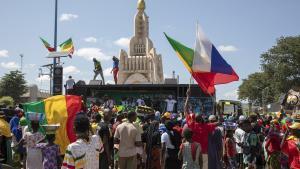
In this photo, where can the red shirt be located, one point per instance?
(178, 129)
(230, 147)
(273, 143)
(200, 132)
(290, 149)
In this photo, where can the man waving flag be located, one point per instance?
(205, 63)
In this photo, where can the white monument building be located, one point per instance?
(142, 65)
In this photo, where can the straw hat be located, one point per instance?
(167, 115)
(295, 126)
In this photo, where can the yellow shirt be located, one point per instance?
(4, 128)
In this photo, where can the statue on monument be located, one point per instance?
(98, 70)
(115, 68)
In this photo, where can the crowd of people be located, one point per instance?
(109, 138)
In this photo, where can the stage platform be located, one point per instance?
(156, 93)
(177, 90)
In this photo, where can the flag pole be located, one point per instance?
(190, 81)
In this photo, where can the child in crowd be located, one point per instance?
(230, 150)
(250, 146)
(190, 152)
(50, 151)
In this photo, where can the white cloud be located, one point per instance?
(32, 65)
(68, 17)
(107, 71)
(3, 53)
(123, 42)
(90, 53)
(9, 65)
(231, 95)
(71, 70)
(91, 39)
(43, 78)
(227, 48)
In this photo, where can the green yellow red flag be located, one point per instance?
(58, 110)
(67, 46)
(47, 45)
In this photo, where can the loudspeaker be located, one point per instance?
(95, 82)
(57, 80)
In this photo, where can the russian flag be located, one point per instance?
(205, 63)
(209, 67)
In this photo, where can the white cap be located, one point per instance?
(212, 118)
(242, 118)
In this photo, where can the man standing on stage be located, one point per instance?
(115, 69)
(98, 70)
(70, 85)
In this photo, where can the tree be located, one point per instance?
(282, 64)
(280, 73)
(256, 89)
(7, 101)
(13, 84)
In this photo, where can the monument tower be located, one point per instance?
(143, 65)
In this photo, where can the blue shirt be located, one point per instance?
(116, 64)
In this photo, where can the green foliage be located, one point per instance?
(13, 84)
(280, 72)
(256, 89)
(282, 64)
(7, 101)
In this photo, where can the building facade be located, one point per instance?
(141, 65)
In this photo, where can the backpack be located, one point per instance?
(251, 144)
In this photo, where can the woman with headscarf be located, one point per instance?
(153, 146)
(30, 139)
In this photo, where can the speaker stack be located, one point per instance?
(57, 80)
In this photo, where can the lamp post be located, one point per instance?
(55, 31)
(55, 49)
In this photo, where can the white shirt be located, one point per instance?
(70, 83)
(239, 137)
(170, 104)
(166, 139)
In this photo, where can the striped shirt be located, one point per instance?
(82, 154)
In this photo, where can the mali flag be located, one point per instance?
(59, 109)
(47, 45)
(67, 46)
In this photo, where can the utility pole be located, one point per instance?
(52, 76)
